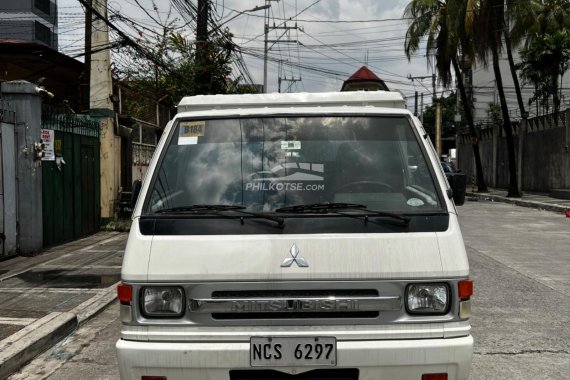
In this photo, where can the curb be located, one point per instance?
(20, 348)
(94, 305)
(520, 202)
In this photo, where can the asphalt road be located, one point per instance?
(520, 262)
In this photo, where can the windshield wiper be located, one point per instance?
(198, 208)
(333, 207)
(319, 207)
(218, 209)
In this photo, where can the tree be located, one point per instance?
(217, 60)
(488, 22)
(167, 63)
(175, 78)
(545, 55)
(448, 112)
(441, 22)
(519, 14)
(544, 61)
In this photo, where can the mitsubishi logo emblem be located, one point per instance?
(295, 258)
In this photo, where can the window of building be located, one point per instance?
(43, 5)
(42, 33)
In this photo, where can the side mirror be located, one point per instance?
(458, 183)
(136, 191)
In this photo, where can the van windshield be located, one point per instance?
(263, 164)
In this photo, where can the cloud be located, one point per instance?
(329, 9)
(327, 47)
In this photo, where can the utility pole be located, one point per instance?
(438, 127)
(265, 49)
(422, 108)
(416, 105)
(87, 58)
(437, 119)
(437, 111)
(290, 80)
(203, 76)
(266, 41)
(101, 108)
(285, 79)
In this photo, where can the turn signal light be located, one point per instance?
(125, 293)
(465, 289)
(434, 376)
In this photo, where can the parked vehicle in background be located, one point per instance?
(457, 181)
(448, 167)
(286, 234)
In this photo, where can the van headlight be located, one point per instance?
(427, 298)
(162, 301)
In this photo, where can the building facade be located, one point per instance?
(29, 20)
(484, 90)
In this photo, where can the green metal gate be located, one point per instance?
(71, 193)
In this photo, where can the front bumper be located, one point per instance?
(375, 359)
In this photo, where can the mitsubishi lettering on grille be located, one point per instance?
(294, 305)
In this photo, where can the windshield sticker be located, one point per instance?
(415, 202)
(287, 145)
(288, 176)
(190, 131)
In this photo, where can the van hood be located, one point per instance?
(296, 257)
(263, 258)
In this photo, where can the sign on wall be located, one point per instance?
(48, 141)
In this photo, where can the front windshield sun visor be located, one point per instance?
(289, 164)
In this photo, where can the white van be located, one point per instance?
(295, 236)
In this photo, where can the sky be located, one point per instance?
(333, 39)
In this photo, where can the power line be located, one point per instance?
(127, 39)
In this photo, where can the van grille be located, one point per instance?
(295, 293)
(295, 304)
(295, 315)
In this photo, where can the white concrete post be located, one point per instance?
(102, 108)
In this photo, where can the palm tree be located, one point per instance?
(519, 15)
(489, 22)
(436, 20)
(544, 25)
(544, 61)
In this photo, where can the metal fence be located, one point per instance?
(82, 125)
(71, 183)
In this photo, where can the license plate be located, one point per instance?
(292, 351)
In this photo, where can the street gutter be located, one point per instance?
(558, 208)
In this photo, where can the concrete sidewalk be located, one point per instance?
(538, 201)
(45, 298)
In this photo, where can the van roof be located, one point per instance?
(390, 99)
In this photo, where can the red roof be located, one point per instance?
(363, 74)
